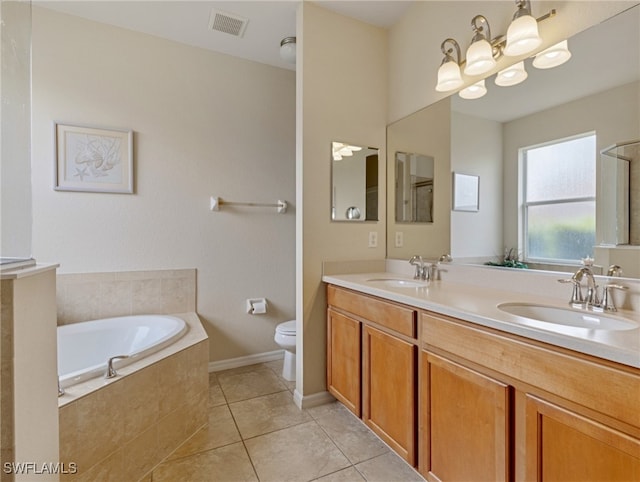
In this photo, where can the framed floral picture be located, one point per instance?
(93, 159)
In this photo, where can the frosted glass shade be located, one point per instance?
(512, 75)
(522, 36)
(474, 91)
(449, 77)
(479, 58)
(555, 55)
(288, 49)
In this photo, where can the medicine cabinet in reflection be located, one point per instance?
(354, 182)
(414, 188)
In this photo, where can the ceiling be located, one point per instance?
(187, 21)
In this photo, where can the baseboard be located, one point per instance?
(313, 400)
(216, 366)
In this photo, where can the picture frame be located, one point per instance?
(93, 159)
(466, 192)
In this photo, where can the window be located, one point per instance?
(560, 200)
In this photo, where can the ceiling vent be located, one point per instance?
(227, 23)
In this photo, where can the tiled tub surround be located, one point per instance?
(472, 293)
(90, 296)
(120, 429)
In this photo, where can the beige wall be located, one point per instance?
(414, 42)
(342, 86)
(427, 132)
(204, 124)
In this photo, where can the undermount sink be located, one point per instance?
(567, 317)
(400, 283)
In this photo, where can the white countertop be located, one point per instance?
(478, 304)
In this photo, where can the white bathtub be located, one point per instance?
(84, 348)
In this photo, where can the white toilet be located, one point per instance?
(286, 338)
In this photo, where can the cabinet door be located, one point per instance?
(563, 445)
(389, 386)
(465, 423)
(344, 359)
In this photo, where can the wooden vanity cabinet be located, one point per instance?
(466, 423)
(499, 407)
(344, 366)
(389, 388)
(372, 364)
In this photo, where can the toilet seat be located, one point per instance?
(287, 328)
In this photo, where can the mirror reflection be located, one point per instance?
(485, 138)
(414, 188)
(354, 182)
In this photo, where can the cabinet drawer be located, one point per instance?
(395, 317)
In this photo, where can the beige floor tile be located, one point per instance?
(350, 474)
(249, 384)
(216, 396)
(276, 366)
(352, 436)
(230, 463)
(387, 468)
(261, 415)
(299, 453)
(221, 430)
(326, 409)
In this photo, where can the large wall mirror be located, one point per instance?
(598, 90)
(354, 182)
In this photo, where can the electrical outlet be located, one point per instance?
(399, 239)
(373, 239)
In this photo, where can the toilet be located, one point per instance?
(286, 338)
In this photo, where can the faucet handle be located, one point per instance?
(614, 270)
(576, 293)
(607, 299)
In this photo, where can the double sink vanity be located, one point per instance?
(488, 374)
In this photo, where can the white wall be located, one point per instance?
(476, 149)
(204, 124)
(347, 104)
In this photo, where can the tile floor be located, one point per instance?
(256, 432)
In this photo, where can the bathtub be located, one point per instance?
(84, 348)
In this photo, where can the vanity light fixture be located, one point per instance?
(512, 75)
(555, 55)
(474, 91)
(483, 54)
(288, 49)
(522, 34)
(449, 77)
(480, 54)
(340, 150)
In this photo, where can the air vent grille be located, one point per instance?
(227, 23)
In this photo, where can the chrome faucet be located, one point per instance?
(422, 269)
(111, 371)
(60, 389)
(435, 267)
(592, 301)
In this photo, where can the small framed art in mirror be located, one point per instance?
(466, 192)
